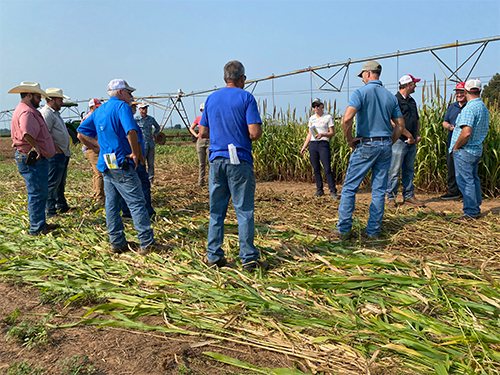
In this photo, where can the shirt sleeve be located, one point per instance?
(157, 127)
(27, 123)
(330, 122)
(49, 119)
(127, 118)
(396, 113)
(252, 114)
(88, 127)
(204, 117)
(355, 100)
(447, 115)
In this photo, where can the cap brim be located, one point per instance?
(360, 75)
(416, 80)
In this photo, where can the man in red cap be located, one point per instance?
(404, 150)
(449, 124)
(92, 157)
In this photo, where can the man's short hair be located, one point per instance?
(233, 71)
(113, 92)
(25, 94)
(403, 86)
(377, 72)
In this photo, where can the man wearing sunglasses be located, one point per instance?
(374, 107)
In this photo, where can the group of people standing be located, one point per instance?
(387, 132)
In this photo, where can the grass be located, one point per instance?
(29, 333)
(424, 298)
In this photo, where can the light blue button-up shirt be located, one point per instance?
(476, 115)
(146, 125)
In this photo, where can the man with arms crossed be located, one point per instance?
(450, 119)
(29, 133)
(467, 146)
(58, 164)
(119, 147)
(231, 120)
(374, 107)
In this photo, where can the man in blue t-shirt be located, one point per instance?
(374, 107)
(112, 132)
(232, 122)
(449, 123)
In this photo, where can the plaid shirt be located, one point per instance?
(476, 115)
(146, 125)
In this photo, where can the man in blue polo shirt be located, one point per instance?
(232, 121)
(467, 146)
(374, 107)
(120, 152)
(449, 122)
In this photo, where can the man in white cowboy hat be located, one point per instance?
(58, 164)
(146, 123)
(119, 143)
(30, 135)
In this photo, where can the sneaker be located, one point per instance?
(334, 196)
(252, 266)
(450, 197)
(319, 193)
(412, 201)
(156, 247)
(222, 262)
(391, 203)
(336, 235)
(127, 247)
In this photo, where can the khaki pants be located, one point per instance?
(202, 149)
(97, 181)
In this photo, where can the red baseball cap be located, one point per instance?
(460, 86)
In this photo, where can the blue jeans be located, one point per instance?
(320, 150)
(468, 181)
(124, 183)
(146, 189)
(236, 181)
(403, 159)
(374, 155)
(58, 170)
(36, 178)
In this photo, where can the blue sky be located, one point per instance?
(161, 46)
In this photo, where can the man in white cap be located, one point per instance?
(92, 157)
(404, 150)
(202, 145)
(30, 135)
(146, 123)
(58, 164)
(120, 152)
(374, 107)
(467, 146)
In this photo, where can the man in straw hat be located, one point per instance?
(374, 107)
(58, 164)
(30, 135)
(467, 146)
(120, 152)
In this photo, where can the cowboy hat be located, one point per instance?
(56, 93)
(28, 86)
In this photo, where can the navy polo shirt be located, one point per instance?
(409, 110)
(451, 117)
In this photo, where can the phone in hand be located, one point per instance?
(31, 159)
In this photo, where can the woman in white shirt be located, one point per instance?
(320, 131)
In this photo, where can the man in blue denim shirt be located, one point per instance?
(120, 152)
(146, 123)
(374, 107)
(232, 122)
(467, 146)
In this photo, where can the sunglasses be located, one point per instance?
(315, 105)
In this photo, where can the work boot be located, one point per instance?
(319, 193)
(412, 201)
(450, 197)
(156, 247)
(334, 196)
(252, 266)
(222, 262)
(391, 203)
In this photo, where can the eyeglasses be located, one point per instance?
(315, 105)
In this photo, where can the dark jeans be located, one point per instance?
(58, 170)
(320, 150)
(452, 181)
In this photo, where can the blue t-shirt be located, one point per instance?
(451, 117)
(227, 114)
(376, 107)
(110, 123)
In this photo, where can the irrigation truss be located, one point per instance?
(170, 103)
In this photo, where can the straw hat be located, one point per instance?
(56, 93)
(28, 86)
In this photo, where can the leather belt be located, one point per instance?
(375, 139)
(24, 153)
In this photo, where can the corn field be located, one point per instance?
(277, 153)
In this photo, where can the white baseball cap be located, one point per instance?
(118, 84)
(473, 85)
(407, 78)
(202, 106)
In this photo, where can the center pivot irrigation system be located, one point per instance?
(173, 102)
